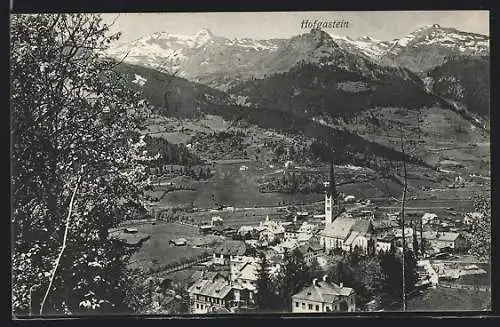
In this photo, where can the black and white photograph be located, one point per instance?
(223, 163)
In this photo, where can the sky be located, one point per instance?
(382, 25)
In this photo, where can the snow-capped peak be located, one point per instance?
(203, 33)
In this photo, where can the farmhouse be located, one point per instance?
(225, 251)
(323, 296)
(178, 242)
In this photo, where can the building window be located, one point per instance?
(303, 305)
(317, 307)
(197, 306)
(310, 306)
(296, 304)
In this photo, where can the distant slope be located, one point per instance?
(465, 80)
(173, 96)
(191, 98)
(313, 90)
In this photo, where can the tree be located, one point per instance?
(185, 301)
(264, 297)
(480, 240)
(294, 275)
(76, 170)
(392, 265)
(315, 270)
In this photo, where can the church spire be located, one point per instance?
(332, 190)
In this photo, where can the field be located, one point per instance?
(231, 186)
(443, 135)
(157, 251)
(449, 299)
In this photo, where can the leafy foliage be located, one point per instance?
(392, 268)
(480, 240)
(265, 296)
(70, 113)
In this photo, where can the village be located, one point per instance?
(223, 277)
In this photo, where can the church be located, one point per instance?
(342, 231)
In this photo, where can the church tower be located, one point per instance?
(330, 196)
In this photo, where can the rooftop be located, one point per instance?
(231, 248)
(323, 291)
(339, 228)
(443, 236)
(363, 226)
(216, 289)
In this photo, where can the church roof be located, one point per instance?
(363, 226)
(339, 228)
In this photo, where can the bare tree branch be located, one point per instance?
(68, 218)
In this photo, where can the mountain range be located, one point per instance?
(316, 84)
(349, 74)
(207, 58)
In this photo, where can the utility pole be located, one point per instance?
(405, 187)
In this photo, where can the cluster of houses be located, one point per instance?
(231, 284)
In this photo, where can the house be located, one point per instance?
(311, 250)
(290, 244)
(246, 231)
(181, 279)
(398, 234)
(306, 228)
(178, 242)
(441, 240)
(303, 238)
(225, 251)
(217, 221)
(210, 293)
(130, 230)
(428, 218)
(335, 234)
(275, 264)
(225, 231)
(323, 296)
(349, 198)
(205, 229)
(246, 276)
(384, 243)
(291, 231)
(302, 215)
(270, 231)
